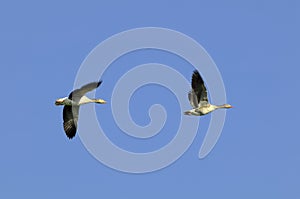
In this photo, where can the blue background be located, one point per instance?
(255, 44)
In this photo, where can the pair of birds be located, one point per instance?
(197, 97)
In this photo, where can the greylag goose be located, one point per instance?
(71, 106)
(198, 98)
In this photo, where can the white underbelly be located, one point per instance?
(206, 110)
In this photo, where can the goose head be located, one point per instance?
(60, 101)
(100, 101)
(227, 106)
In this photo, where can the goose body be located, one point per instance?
(71, 106)
(198, 98)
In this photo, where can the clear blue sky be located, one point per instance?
(256, 46)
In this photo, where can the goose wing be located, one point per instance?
(193, 99)
(198, 94)
(78, 93)
(70, 116)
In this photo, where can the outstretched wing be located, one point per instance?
(78, 93)
(70, 116)
(198, 89)
(193, 99)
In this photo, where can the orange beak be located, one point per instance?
(57, 102)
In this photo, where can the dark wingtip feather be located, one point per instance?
(196, 75)
(99, 83)
(196, 80)
(196, 72)
(198, 86)
(70, 128)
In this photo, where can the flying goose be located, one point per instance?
(198, 98)
(71, 106)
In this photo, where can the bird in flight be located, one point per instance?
(198, 98)
(71, 106)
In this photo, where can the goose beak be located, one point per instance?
(58, 102)
(227, 106)
(101, 101)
